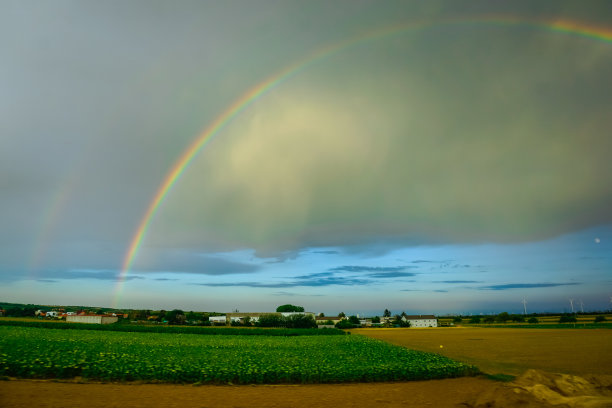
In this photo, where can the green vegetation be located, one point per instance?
(567, 319)
(289, 308)
(533, 320)
(172, 329)
(30, 352)
(599, 319)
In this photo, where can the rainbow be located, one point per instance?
(575, 28)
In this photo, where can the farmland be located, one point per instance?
(29, 352)
(511, 350)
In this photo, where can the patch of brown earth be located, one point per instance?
(450, 393)
(537, 388)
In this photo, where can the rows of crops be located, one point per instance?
(28, 352)
(227, 331)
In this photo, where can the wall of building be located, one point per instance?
(92, 319)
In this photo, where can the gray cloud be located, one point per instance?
(329, 281)
(388, 275)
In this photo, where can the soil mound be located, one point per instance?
(537, 388)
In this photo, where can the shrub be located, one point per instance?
(533, 320)
(344, 324)
(599, 319)
(567, 319)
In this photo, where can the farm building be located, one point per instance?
(421, 320)
(217, 319)
(93, 319)
(333, 319)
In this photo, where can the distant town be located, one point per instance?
(289, 316)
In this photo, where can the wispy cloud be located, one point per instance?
(103, 274)
(324, 281)
(457, 281)
(387, 275)
(353, 268)
(527, 286)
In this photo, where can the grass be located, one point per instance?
(30, 352)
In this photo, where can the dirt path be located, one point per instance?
(437, 393)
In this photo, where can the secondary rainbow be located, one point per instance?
(603, 34)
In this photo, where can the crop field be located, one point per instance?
(30, 352)
(511, 350)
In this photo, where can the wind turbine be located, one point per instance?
(524, 302)
(572, 304)
(581, 306)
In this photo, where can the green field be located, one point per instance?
(29, 352)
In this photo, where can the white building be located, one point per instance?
(421, 320)
(217, 319)
(92, 319)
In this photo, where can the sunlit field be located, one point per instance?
(29, 352)
(511, 350)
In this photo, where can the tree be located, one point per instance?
(344, 324)
(517, 318)
(289, 308)
(503, 317)
(568, 319)
(475, 320)
(341, 314)
(175, 316)
(300, 322)
(270, 320)
(533, 320)
(599, 319)
(387, 313)
(376, 319)
(457, 319)
(354, 320)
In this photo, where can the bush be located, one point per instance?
(568, 319)
(344, 324)
(502, 317)
(533, 320)
(300, 322)
(599, 319)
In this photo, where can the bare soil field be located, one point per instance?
(510, 351)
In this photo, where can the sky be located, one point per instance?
(428, 157)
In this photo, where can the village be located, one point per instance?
(237, 318)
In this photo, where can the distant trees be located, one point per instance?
(387, 313)
(376, 319)
(291, 322)
(533, 320)
(475, 320)
(567, 318)
(599, 319)
(341, 314)
(354, 320)
(503, 317)
(289, 308)
(175, 316)
(457, 319)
